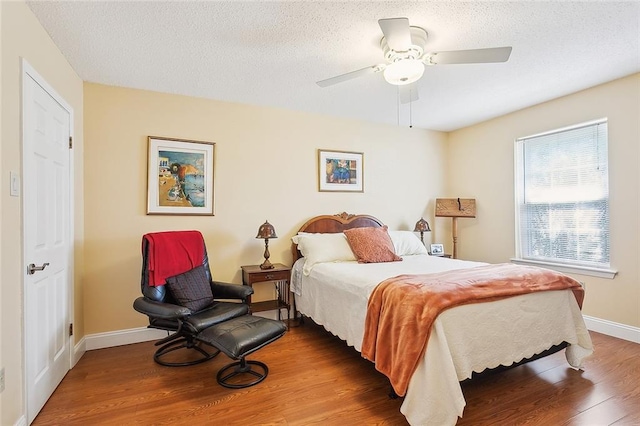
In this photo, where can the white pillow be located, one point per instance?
(406, 243)
(318, 248)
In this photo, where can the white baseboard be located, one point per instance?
(143, 334)
(614, 329)
(78, 350)
(122, 337)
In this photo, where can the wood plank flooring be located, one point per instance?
(315, 379)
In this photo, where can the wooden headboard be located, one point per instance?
(331, 224)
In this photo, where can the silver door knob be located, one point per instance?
(32, 269)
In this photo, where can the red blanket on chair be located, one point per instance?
(172, 253)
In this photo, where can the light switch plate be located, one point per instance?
(14, 184)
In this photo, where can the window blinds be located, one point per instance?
(562, 196)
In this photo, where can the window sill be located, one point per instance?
(573, 269)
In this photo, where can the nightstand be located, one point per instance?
(281, 276)
(442, 255)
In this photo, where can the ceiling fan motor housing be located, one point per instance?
(415, 50)
(405, 67)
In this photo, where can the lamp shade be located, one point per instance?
(405, 71)
(422, 226)
(266, 231)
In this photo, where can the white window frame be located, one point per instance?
(602, 271)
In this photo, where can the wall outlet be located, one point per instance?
(1, 379)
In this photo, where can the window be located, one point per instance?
(562, 197)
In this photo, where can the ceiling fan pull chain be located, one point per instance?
(410, 112)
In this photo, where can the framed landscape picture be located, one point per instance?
(180, 176)
(437, 250)
(340, 171)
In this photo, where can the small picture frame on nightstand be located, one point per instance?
(436, 250)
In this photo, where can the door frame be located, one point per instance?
(27, 71)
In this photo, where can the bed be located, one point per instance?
(333, 289)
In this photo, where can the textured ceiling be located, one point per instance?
(272, 53)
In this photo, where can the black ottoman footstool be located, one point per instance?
(239, 337)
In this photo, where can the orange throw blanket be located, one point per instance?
(401, 310)
(171, 253)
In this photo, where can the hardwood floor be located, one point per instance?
(316, 379)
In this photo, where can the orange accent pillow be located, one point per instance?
(371, 245)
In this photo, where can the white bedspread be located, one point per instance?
(464, 339)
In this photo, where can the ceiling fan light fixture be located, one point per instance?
(404, 71)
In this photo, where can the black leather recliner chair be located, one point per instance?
(183, 324)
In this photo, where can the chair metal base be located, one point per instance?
(181, 343)
(242, 367)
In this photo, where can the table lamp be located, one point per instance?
(266, 231)
(422, 226)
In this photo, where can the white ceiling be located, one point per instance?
(272, 53)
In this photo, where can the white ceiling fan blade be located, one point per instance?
(397, 33)
(350, 75)
(474, 56)
(408, 93)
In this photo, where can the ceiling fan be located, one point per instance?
(403, 49)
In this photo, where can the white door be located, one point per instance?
(47, 245)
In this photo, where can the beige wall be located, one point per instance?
(1, 197)
(265, 168)
(23, 37)
(481, 164)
